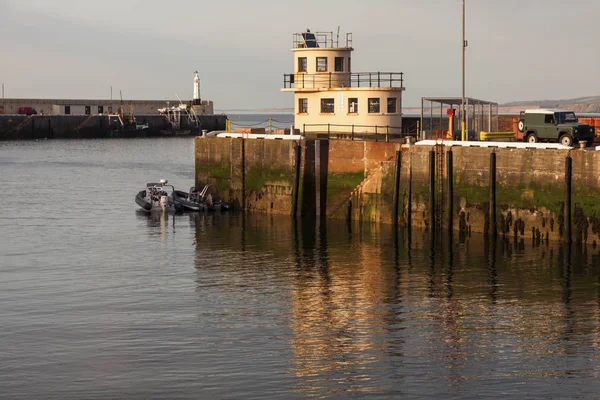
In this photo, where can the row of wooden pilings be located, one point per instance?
(493, 228)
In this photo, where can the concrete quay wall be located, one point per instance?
(22, 127)
(355, 180)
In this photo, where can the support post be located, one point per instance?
(409, 206)
(567, 210)
(432, 190)
(397, 185)
(297, 161)
(450, 191)
(492, 210)
(243, 174)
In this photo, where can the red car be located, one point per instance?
(27, 111)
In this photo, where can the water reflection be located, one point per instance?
(368, 310)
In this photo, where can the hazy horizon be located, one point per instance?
(518, 50)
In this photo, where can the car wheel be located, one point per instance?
(590, 142)
(566, 140)
(521, 126)
(531, 138)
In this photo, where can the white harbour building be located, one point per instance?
(330, 98)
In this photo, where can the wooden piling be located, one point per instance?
(409, 206)
(432, 190)
(297, 161)
(567, 209)
(243, 174)
(397, 185)
(492, 210)
(450, 191)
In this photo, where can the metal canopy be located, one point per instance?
(457, 101)
(480, 115)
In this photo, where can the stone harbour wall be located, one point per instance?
(354, 180)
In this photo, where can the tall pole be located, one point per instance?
(464, 46)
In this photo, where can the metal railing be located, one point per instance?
(344, 79)
(320, 40)
(375, 133)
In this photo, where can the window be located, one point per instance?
(87, 110)
(100, 109)
(374, 106)
(349, 69)
(353, 105)
(391, 105)
(67, 109)
(302, 64)
(321, 64)
(339, 64)
(549, 119)
(302, 106)
(327, 106)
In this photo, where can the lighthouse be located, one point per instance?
(196, 98)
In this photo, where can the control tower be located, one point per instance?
(329, 97)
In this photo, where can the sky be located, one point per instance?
(147, 49)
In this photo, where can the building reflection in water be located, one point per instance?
(369, 308)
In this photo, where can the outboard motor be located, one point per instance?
(164, 201)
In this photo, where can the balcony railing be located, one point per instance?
(344, 79)
(377, 133)
(320, 40)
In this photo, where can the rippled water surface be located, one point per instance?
(100, 301)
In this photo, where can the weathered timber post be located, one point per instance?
(450, 184)
(567, 209)
(297, 161)
(243, 174)
(397, 185)
(432, 190)
(492, 210)
(409, 210)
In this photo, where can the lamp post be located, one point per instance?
(464, 47)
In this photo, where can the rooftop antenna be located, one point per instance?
(337, 40)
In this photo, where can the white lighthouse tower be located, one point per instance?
(196, 98)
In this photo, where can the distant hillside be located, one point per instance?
(590, 104)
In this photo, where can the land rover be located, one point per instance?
(542, 125)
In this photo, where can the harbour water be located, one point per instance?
(100, 301)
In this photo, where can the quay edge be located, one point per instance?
(342, 179)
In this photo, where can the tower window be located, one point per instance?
(391, 105)
(302, 106)
(339, 64)
(327, 106)
(374, 106)
(353, 105)
(321, 64)
(302, 64)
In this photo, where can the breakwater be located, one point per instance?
(22, 127)
(434, 187)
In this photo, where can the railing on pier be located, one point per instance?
(344, 79)
(377, 133)
(320, 40)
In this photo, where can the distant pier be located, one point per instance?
(24, 127)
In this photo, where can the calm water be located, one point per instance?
(98, 301)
